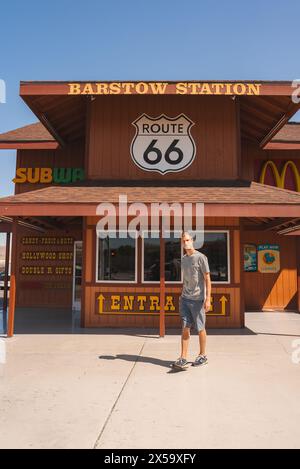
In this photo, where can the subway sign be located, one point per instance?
(48, 175)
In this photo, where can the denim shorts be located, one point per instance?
(192, 312)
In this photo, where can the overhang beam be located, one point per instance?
(210, 209)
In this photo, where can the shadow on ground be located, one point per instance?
(143, 359)
(66, 321)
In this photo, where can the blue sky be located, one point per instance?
(136, 40)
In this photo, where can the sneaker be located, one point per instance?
(180, 363)
(200, 360)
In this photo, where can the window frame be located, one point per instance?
(222, 282)
(215, 282)
(176, 282)
(135, 262)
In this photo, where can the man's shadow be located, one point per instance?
(141, 359)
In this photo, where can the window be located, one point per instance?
(116, 259)
(151, 260)
(215, 247)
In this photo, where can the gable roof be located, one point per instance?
(289, 133)
(29, 136)
(64, 112)
(288, 138)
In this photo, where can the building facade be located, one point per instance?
(226, 145)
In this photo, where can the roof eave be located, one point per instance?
(33, 145)
(90, 209)
(282, 146)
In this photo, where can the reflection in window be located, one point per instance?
(215, 248)
(116, 259)
(173, 253)
(152, 261)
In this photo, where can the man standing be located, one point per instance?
(194, 301)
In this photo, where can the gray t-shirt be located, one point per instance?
(194, 267)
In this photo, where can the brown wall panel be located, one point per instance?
(51, 290)
(272, 290)
(222, 222)
(72, 156)
(251, 153)
(214, 132)
(94, 319)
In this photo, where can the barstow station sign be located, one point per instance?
(160, 88)
(183, 87)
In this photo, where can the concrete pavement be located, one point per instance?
(116, 390)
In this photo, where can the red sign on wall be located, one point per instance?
(279, 173)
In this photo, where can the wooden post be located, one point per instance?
(298, 271)
(6, 268)
(12, 289)
(162, 328)
(83, 272)
(242, 275)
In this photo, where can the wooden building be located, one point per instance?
(227, 145)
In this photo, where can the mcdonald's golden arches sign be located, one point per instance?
(284, 174)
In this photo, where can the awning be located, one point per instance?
(239, 199)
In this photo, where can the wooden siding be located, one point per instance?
(34, 290)
(267, 291)
(91, 318)
(72, 156)
(251, 153)
(214, 132)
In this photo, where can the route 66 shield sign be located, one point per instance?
(163, 144)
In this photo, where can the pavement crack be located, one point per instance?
(283, 347)
(118, 397)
